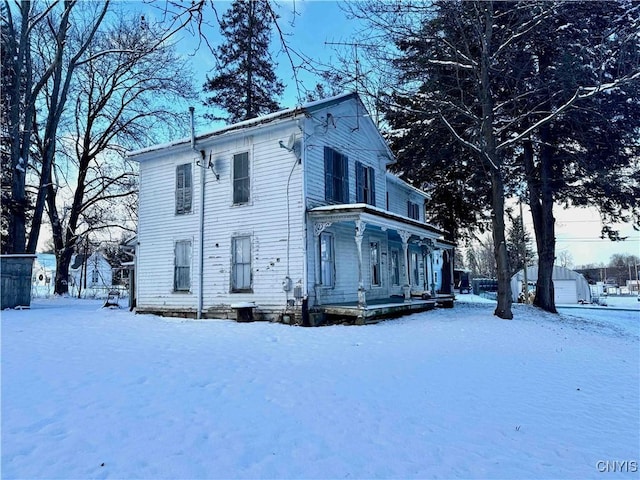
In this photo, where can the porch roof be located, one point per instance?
(377, 216)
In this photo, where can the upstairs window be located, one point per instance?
(182, 266)
(184, 188)
(336, 176)
(413, 210)
(241, 178)
(365, 184)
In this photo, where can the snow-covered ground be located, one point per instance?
(98, 393)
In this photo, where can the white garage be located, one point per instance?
(570, 287)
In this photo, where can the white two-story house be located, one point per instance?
(291, 217)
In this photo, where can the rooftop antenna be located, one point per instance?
(355, 46)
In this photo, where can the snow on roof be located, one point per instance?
(289, 112)
(366, 208)
(397, 179)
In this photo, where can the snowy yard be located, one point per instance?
(95, 393)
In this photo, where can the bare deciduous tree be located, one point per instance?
(25, 84)
(120, 94)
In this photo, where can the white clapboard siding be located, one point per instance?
(263, 218)
(350, 133)
(159, 228)
(344, 128)
(400, 193)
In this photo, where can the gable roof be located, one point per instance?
(395, 178)
(78, 260)
(304, 109)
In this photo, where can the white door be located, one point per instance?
(566, 291)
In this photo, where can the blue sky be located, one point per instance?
(307, 26)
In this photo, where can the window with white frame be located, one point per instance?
(241, 264)
(375, 264)
(182, 266)
(184, 188)
(241, 178)
(395, 267)
(327, 260)
(365, 184)
(336, 176)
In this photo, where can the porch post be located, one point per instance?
(318, 228)
(451, 260)
(432, 283)
(406, 287)
(362, 297)
(430, 248)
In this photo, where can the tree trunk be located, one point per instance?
(65, 239)
(541, 203)
(545, 295)
(63, 262)
(503, 309)
(21, 113)
(493, 161)
(63, 251)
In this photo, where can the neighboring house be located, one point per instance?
(95, 269)
(569, 287)
(292, 215)
(129, 247)
(44, 270)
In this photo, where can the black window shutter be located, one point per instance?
(187, 188)
(372, 180)
(360, 183)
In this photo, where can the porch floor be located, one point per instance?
(380, 309)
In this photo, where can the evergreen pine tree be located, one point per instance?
(519, 246)
(246, 85)
(554, 83)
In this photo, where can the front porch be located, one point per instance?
(371, 264)
(376, 310)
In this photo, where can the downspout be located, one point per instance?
(201, 230)
(305, 292)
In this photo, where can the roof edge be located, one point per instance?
(264, 119)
